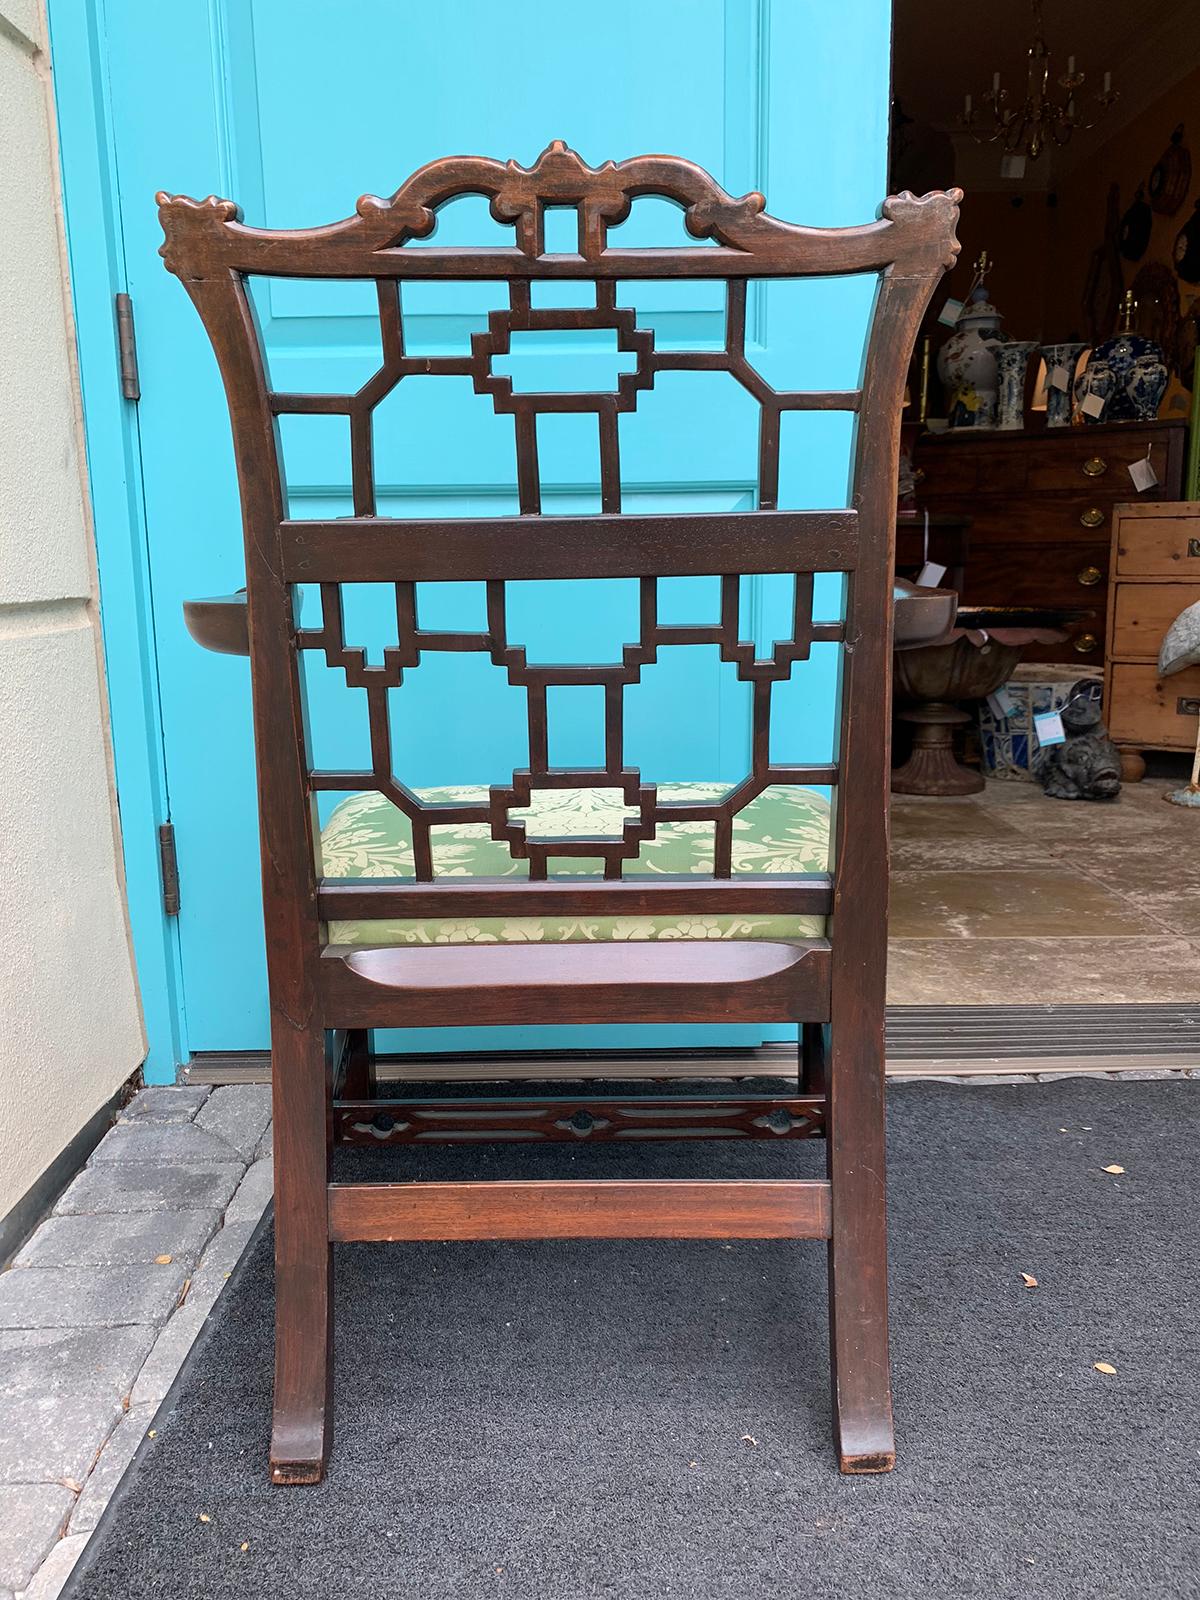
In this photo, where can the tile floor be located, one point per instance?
(1008, 898)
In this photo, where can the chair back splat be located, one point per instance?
(327, 991)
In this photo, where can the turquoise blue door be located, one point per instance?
(294, 108)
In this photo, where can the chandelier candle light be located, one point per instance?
(1040, 118)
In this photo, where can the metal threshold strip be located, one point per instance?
(921, 1041)
(925, 1040)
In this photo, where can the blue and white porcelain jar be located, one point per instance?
(1012, 359)
(1148, 382)
(1095, 384)
(1060, 358)
(1119, 354)
(1139, 370)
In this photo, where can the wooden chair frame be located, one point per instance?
(324, 997)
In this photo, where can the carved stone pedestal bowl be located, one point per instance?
(971, 662)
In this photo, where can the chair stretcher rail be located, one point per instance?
(570, 1209)
(578, 1119)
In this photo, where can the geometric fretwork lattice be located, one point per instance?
(412, 641)
(525, 408)
(208, 246)
(216, 255)
(614, 678)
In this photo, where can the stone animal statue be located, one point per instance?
(1086, 766)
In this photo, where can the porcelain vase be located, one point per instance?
(1011, 363)
(1139, 377)
(1095, 383)
(966, 365)
(1119, 354)
(1148, 382)
(1058, 401)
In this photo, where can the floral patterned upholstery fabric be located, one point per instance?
(786, 829)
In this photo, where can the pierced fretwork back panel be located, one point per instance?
(214, 254)
(616, 774)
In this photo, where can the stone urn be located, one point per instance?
(927, 683)
(969, 664)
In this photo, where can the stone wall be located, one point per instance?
(70, 1029)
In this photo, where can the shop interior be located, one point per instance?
(1046, 813)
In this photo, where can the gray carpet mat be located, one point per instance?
(561, 1420)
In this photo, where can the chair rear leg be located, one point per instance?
(812, 1058)
(858, 1307)
(302, 1424)
(358, 1079)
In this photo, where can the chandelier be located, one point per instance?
(1040, 117)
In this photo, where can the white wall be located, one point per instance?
(70, 1029)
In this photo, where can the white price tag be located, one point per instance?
(930, 575)
(1143, 474)
(1092, 405)
(1059, 378)
(1049, 728)
(950, 313)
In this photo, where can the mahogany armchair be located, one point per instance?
(325, 996)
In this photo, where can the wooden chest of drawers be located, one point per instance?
(1041, 505)
(1155, 569)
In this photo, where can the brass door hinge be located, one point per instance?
(127, 349)
(168, 863)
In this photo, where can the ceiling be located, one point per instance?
(944, 49)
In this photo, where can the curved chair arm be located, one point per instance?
(922, 615)
(220, 623)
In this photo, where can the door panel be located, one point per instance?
(294, 108)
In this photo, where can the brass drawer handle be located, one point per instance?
(1084, 643)
(1194, 547)
(1095, 466)
(1187, 706)
(1089, 576)
(1092, 517)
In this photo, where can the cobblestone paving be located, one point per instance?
(102, 1304)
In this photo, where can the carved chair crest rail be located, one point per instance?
(326, 992)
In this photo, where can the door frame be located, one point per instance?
(96, 265)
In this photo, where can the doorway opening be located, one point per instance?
(1057, 492)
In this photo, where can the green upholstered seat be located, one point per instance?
(786, 829)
